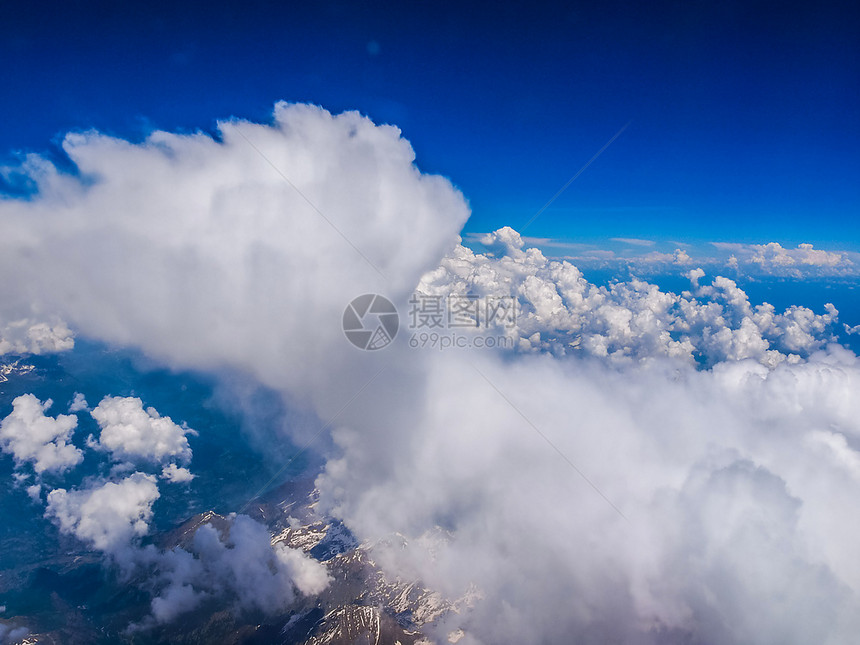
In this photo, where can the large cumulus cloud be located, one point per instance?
(236, 252)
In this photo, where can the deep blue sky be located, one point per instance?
(744, 114)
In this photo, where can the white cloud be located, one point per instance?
(633, 241)
(772, 255)
(771, 259)
(261, 576)
(816, 257)
(176, 474)
(78, 404)
(561, 312)
(131, 433)
(680, 256)
(239, 565)
(28, 337)
(32, 437)
(694, 275)
(842, 453)
(734, 530)
(594, 254)
(12, 635)
(108, 516)
(540, 242)
(178, 595)
(774, 259)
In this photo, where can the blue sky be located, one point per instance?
(743, 115)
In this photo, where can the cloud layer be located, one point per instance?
(736, 487)
(774, 259)
(561, 312)
(644, 467)
(652, 257)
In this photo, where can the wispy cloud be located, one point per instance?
(483, 239)
(548, 242)
(769, 258)
(634, 241)
(774, 259)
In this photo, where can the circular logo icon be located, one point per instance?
(370, 321)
